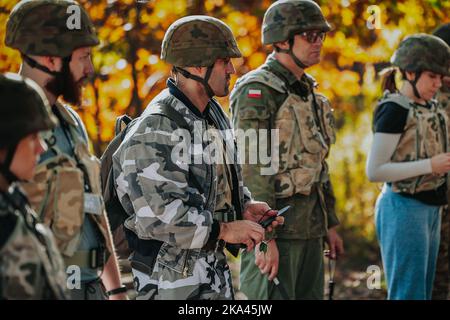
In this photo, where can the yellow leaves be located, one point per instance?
(245, 44)
(256, 59)
(96, 12)
(347, 17)
(211, 4)
(334, 83)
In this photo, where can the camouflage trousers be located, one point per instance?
(203, 276)
(442, 278)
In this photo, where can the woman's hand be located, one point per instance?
(441, 163)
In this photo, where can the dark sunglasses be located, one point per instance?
(313, 36)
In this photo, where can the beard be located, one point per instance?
(65, 85)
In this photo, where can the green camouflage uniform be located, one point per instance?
(302, 180)
(271, 97)
(31, 266)
(179, 197)
(442, 280)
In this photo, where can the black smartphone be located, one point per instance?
(269, 221)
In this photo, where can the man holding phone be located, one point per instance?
(280, 95)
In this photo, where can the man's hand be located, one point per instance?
(242, 231)
(255, 210)
(335, 243)
(268, 262)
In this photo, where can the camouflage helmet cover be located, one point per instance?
(423, 52)
(198, 41)
(24, 109)
(41, 27)
(286, 18)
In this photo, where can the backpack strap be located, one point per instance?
(122, 123)
(168, 111)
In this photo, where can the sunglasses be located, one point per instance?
(313, 36)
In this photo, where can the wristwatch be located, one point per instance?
(120, 289)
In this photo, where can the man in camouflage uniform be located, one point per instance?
(280, 95)
(442, 279)
(31, 266)
(177, 177)
(55, 39)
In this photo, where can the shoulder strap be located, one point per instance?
(397, 98)
(265, 77)
(168, 111)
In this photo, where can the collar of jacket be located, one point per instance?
(303, 86)
(177, 93)
(64, 113)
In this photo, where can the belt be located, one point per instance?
(93, 259)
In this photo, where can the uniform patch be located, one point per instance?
(254, 93)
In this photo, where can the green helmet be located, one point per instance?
(443, 32)
(24, 109)
(285, 18)
(41, 27)
(198, 41)
(423, 52)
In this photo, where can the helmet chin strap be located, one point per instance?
(5, 167)
(414, 84)
(289, 51)
(36, 65)
(203, 81)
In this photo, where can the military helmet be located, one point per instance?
(443, 32)
(198, 41)
(24, 109)
(49, 28)
(285, 18)
(423, 52)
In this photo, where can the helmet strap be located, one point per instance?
(289, 51)
(414, 84)
(5, 167)
(34, 64)
(203, 81)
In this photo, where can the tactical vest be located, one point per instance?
(66, 188)
(304, 142)
(443, 98)
(30, 263)
(425, 135)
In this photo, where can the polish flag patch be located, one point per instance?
(254, 93)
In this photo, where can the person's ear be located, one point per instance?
(282, 45)
(52, 63)
(410, 76)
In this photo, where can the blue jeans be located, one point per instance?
(408, 233)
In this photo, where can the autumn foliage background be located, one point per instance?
(129, 74)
